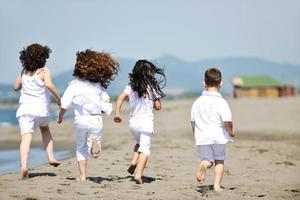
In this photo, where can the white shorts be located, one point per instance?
(144, 140)
(28, 123)
(87, 129)
(212, 152)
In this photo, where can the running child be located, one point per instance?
(212, 125)
(144, 93)
(93, 72)
(35, 84)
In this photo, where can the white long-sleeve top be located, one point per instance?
(88, 97)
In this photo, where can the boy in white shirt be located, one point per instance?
(212, 125)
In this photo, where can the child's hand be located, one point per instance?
(118, 118)
(59, 120)
(232, 134)
(58, 102)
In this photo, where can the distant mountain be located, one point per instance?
(186, 77)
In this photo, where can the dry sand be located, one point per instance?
(263, 162)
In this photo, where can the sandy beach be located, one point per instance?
(263, 162)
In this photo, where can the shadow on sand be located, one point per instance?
(203, 189)
(146, 179)
(32, 175)
(100, 179)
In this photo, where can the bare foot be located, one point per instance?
(201, 174)
(24, 174)
(80, 179)
(95, 150)
(54, 163)
(217, 188)
(131, 169)
(138, 180)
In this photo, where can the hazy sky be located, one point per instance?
(189, 29)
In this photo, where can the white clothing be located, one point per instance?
(91, 100)
(88, 128)
(144, 140)
(34, 99)
(141, 111)
(212, 152)
(141, 119)
(209, 112)
(28, 123)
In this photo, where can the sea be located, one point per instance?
(9, 158)
(8, 116)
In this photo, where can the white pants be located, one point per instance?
(28, 123)
(87, 128)
(144, 140)
(212, 152)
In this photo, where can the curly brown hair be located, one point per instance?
(34, 57)
(96, 67)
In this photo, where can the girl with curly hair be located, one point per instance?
(93, 73)
(144, 93)
(35, 84)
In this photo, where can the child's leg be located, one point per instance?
(81, 151)
(134, 160)
(48, 144)
(140, 168)
(219, 166)
(144, 152)
(82, 164)
(207, 157)
(24, 151)
(220, 156)
(204, 165)
(94, 140)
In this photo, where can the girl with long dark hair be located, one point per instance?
(144, 93)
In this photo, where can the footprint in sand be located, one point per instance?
(261, 151)
(286, 163)
(59, 191)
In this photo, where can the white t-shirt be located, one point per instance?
(89, 98)
(34, 99)
(141, 111)
(209, 112)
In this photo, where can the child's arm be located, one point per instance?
(61, 115)
(51, 87)
(157, 104)
(193, 126)
(18, 84)
(120, 100)
(229, 128)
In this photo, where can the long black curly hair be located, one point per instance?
(34, 57)
(147, 79)
(97, 67)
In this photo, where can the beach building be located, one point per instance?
(260, 86)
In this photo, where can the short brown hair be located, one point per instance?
(96, 67)
(213, 77)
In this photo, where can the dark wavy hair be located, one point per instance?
(147, 79)
(34, 57)
(96, 67)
